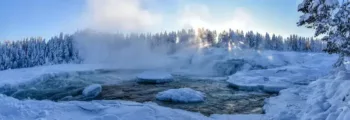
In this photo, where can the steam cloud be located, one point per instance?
(120, 15)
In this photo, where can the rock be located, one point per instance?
(182, 95)
(92, 91)
(154, 77)
(267, 88)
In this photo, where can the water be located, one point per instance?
(120, 85)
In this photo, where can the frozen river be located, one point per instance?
(122, 85)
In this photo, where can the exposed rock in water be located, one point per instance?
(92, 91)
(154, 77)
(272, 89)
(182, 95)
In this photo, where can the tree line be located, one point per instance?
(331, 20)
(32, 52)
(62, 49)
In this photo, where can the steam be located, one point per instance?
(120, 15)
(200, 16)
(120, 51)
(108, 46)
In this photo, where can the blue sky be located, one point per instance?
(26, 18)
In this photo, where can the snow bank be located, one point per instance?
(288, 105)
(327, 98)
(238, 117)
(182, 95)
(92, 91)
(154, 77)
(18, 76)
(330, 99)
(218, 62)
(13, 109)
(275, 79)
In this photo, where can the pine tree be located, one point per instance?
(331, 19)
(267, 41)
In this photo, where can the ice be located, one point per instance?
(325, 98)
(18, 76)
(92, 91)
(273, 88)
(279, 78)
(13, 109)
(182, 95)
(287, 105)
(303, 92)
(154, 77)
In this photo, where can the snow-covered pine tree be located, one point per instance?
(331, 19)
(224, 39)
(279, 44)
(267, 41)
(258, 41)
(250, 39)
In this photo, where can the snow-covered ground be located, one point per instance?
(18, 76)
(324, 99)
(308, 68)
(306, 93)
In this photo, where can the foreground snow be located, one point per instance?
(326, 98)
(13, 109)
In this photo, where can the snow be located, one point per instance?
(327, 98)
(92, 91)
(331, 2)
(18, 76)
(287, 105)
(305, 89)
(182, 95)
(309, 68)
(238, 117)
(13, 109)
(154, 77)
